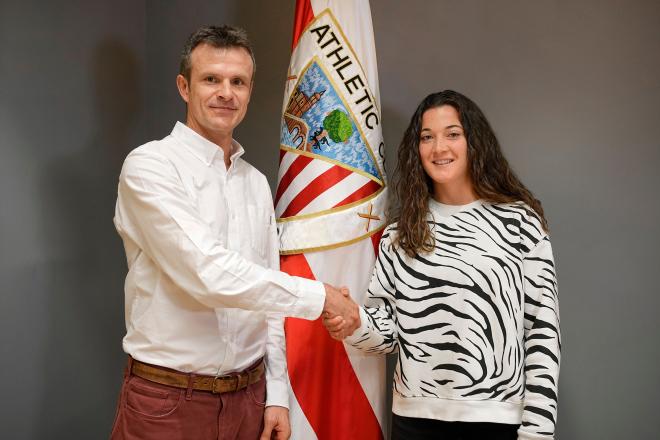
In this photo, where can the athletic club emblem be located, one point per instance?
(317, 121)
(331, 184)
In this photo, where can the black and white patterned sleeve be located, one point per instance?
(378, 330)
(542, 343)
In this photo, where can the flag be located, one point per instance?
(330, 203)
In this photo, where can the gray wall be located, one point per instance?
(71, 106)
(570, 87)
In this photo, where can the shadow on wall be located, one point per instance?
(86, 281)
(270, 33)
(394, 122)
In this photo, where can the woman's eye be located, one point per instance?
(425, 138)
(454, 135)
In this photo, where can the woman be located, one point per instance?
(464, 287)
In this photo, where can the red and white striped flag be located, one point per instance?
(330, 203)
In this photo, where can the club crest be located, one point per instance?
(331, 183)
(317, 121)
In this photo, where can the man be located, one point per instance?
(204, 301)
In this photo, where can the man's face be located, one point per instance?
(218, 91)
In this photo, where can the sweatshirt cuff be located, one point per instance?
(526, 435)
(311, 299)
(358, 334)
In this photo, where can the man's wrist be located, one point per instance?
(311, 302)
(277, 394)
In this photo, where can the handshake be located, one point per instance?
(341, 316)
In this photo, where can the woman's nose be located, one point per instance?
(440, 145)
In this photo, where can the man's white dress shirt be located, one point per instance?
(202, 251)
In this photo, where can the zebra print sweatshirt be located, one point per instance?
(475, 322)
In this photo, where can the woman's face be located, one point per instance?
(443, 151)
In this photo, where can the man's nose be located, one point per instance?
(223, 91)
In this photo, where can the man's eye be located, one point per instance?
(210, 79)
(237, 82)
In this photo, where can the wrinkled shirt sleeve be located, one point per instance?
(277, 376)
(154, 211)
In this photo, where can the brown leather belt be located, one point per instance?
(215, 384)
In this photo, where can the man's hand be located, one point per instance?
(340, 313)
(276, 424)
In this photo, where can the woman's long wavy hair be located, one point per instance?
(492, 177)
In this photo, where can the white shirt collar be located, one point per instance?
(202, 148)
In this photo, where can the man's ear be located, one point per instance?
(182, 85)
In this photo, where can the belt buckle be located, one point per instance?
(226, 376)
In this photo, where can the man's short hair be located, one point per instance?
(224, 36)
